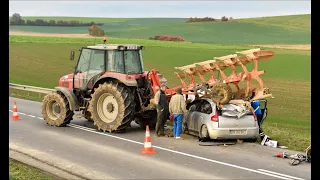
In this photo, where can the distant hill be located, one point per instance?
(293, 29)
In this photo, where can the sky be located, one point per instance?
(152, 8)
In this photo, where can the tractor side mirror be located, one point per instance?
(72, 55)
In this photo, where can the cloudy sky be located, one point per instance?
(152, 8)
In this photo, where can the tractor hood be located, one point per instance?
(66, 81)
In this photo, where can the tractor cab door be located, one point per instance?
(91, 63)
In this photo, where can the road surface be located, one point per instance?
(83, 150)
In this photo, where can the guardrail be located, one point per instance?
(30, 88)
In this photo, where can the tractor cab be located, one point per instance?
(101, 59)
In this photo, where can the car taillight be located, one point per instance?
(254, 116)
(215, 117)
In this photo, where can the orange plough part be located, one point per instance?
(219, 64)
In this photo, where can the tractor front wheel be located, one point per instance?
(222, 92)
(112, 107)
(55, 110)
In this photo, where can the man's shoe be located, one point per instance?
(179, 138)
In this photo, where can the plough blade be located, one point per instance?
(218, 64)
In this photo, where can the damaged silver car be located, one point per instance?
(205, 120)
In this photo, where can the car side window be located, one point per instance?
(193, 107)
(206, 107)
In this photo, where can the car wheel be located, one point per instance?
(204, 134)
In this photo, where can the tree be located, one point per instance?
(224, 18)
(52, 22)
(95, 30)
(16, 19)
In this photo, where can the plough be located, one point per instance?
(219, 89)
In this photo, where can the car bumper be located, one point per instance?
(225, 133)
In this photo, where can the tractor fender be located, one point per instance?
(73, 102)
(127, 81)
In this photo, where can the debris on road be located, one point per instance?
(266, 141)
(211, 143)
(297, 158)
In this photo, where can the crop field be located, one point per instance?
(41, 61)
(268, 30)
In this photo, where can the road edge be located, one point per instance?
(37, 163)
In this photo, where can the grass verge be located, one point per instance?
(21, 171)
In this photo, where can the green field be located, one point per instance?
(41, 61)
(269, 30)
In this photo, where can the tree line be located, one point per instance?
(206, 19)
(16, 19)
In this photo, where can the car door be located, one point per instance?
(190, 116)
(204, 111)
(197, 115)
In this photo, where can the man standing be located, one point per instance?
(257, 111)
(177, 107)
(255, 104)
(162, 112)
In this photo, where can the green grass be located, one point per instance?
(20, 171)
(295, 22)
(270, 30)
(287, 75)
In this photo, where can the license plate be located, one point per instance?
(238, 132)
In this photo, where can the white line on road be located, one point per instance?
(275, 174)
(292, 177)
(177, 152)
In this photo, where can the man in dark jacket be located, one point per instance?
(162, 110)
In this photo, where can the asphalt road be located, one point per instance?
(82, 149)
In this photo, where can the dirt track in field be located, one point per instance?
(287, 46)
(280, 46)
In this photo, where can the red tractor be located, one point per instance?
(109, 87)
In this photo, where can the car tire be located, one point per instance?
(203, 133)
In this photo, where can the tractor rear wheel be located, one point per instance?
(221, 92)
(112, 107)
(56, 110)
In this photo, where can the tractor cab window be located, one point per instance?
(132, 61)
(83, 64)
(124, 61)
(115, 61)
(91, 63)
(97, 60)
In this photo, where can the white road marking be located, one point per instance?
(259, 171)
(292, 177)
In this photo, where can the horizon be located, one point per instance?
(152, 17)
(159, 9)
